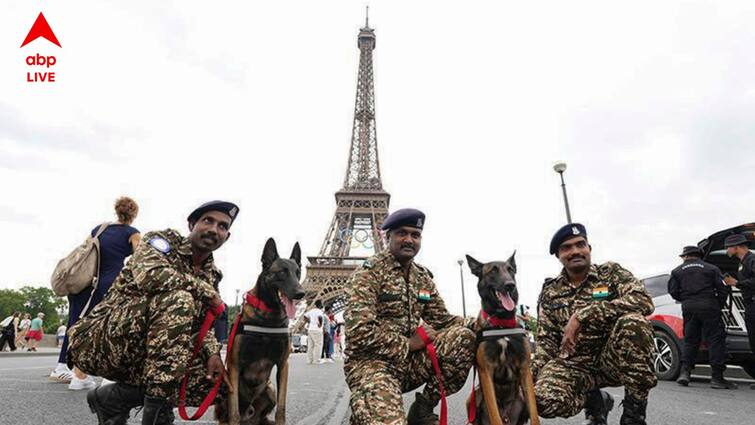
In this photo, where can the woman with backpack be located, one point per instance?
(117, 241)
(8, 328)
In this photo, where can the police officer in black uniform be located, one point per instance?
(700, 288)
(737, 246)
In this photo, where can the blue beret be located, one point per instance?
(565, 233)
(225, 207)
(404, 217)
(734, 240)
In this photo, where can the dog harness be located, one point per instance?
(257, 303)
(209, 320)
(502, 328)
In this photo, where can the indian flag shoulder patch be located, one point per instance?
(600, 292)
(424, 295)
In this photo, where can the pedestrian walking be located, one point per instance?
(61, 333)
(35, 333)
(23, 328)
(739, 246)
(315, 320)
(339, 347)
(333, 325)
(118, 241)
(699, 286)
(592, 333)
(142, 335)
(8, 329)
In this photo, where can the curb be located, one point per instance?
(29, 354)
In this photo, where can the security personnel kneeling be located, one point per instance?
(700, 288)
(142, 334)
(592, 333)
(387, 299)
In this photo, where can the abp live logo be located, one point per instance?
(41, 29)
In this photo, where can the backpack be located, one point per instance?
(7, 321)
(80, 269)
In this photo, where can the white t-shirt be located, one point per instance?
(62, 330)
(313, 315)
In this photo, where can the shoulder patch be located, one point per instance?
(367, 264)
(160, 244)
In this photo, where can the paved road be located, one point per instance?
(318, 396)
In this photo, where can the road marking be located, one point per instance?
(27, 368)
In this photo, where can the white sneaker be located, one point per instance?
(82, 384)
(329, 360)
(61, 374)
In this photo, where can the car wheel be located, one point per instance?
(666, 358)
(749, 367)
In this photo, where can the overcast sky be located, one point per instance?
(651, 104)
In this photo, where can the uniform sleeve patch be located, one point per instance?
(160, 244)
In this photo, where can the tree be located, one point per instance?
(32, 300)
(10, 302)
(42, 299)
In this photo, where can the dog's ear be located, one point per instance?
(296, 254)
(511, 261)
(475, 266)
(269, 254)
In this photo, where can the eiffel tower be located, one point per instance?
(361, 204)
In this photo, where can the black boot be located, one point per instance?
(421, 412)
(683, 377)
(113, 402)
(157, 411)
(718, 382)
(597, 406)
(634, 411)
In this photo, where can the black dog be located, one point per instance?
(263, 341)
(502, 354)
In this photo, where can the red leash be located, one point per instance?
(434, 358)
(207, 402)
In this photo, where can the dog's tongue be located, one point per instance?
(289, 305)
(505, 299)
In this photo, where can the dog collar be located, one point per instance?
(257, 303)
(498, 322)
(499, 333)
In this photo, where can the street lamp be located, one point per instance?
(560, 167)
(463, 301)
(237, 297)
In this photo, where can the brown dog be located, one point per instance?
(262, 341)
(503, 348)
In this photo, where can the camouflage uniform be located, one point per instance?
(614, 345)
(143, 333)
(383, 311)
